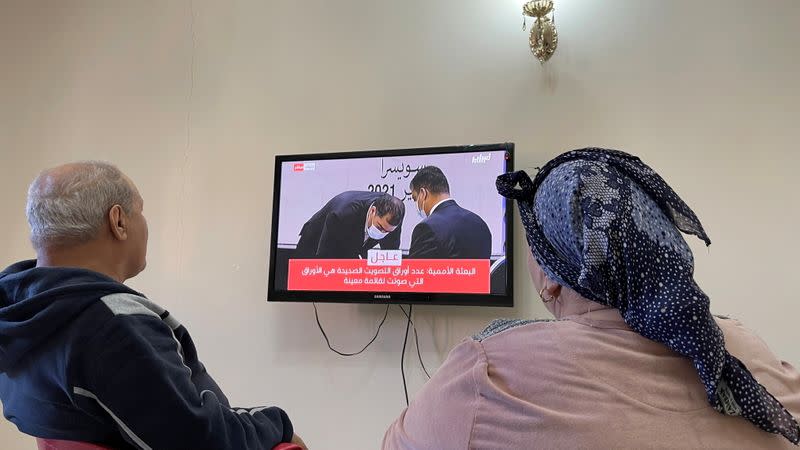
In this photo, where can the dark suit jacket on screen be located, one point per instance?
(451, 232)
(337, 230)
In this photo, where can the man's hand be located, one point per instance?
(297, 441)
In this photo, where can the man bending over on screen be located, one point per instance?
(84, 357)
(350, 224)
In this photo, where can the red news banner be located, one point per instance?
(458, 276)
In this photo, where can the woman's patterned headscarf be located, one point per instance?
(605, 224)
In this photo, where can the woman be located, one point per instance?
(634, 358)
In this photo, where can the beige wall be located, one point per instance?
(705, 91)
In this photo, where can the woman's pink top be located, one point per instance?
(586, 381)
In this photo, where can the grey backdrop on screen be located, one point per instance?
(471, 176)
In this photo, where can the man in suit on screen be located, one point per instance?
(350, 224)
(447, 230)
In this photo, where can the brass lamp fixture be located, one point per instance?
(543, 38)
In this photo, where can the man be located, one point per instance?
(84, 357)
(447, 230)
(350, 224)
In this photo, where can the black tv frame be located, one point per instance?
(403, 298)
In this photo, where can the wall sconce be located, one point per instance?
(544, 38)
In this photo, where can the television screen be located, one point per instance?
(401, 226)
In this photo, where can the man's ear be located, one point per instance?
(118, 223)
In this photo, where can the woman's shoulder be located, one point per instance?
(499, 326)
(742, 341)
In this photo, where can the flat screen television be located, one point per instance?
(408, 226)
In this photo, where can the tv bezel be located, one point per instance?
(403, 298)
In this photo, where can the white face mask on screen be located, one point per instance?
(420, 209)
(373, 232)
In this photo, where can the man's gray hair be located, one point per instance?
(72, 207)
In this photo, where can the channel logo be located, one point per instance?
(304, 167)
(481, 159)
